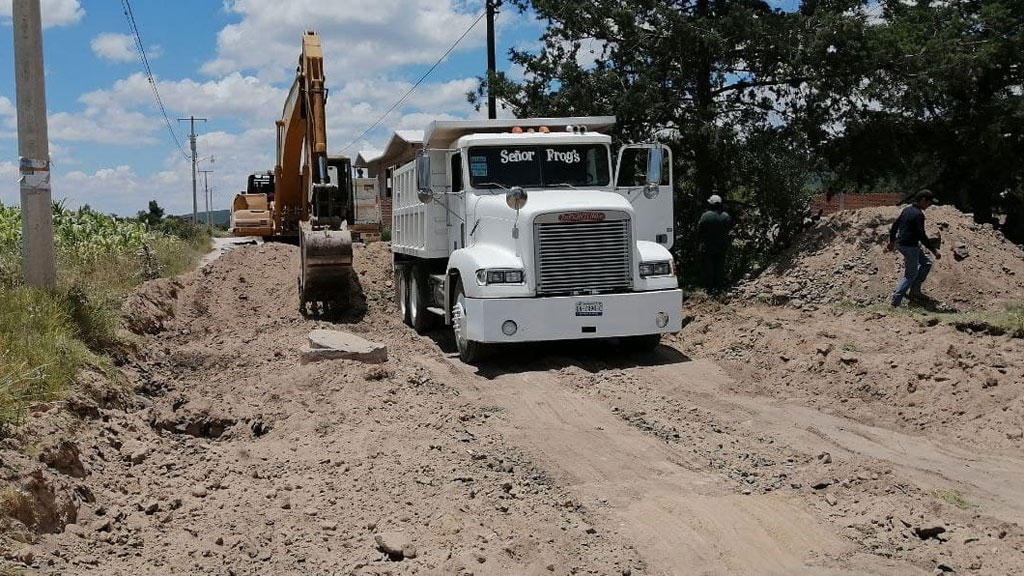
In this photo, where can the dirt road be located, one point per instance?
(232, 457)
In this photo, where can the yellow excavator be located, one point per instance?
(309, 195)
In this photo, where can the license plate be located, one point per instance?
(590, 309)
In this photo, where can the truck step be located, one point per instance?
(436, 310)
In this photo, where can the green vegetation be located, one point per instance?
(953, 497)
(47, 336)
(1009, 320)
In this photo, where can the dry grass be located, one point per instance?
(1009, 320)
(953, 497)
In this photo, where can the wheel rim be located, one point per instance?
(414, 300)
(403, 299)
(459, 321)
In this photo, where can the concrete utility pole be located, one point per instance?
(33, 146)
(206, 194)
(210, 196)
(492, 66)
(192, 143)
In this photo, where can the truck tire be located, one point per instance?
(645, 343)
(421, 319)
(470, 351)
(402, 294)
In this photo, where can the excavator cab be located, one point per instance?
(331, 201)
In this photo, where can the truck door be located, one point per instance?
(655, 217)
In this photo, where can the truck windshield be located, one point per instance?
(539, 166)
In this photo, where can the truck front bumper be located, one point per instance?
(574, 317)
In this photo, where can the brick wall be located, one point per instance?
(385, 214)
(853, 202)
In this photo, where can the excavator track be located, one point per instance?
(326, 265)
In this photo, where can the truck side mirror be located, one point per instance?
(655, 156)
(424, 190)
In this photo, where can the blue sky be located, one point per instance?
(231, 62)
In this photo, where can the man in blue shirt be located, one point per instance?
(908, 236)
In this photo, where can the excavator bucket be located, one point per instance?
(326, 264)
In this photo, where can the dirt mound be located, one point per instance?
(146, 310)
(843, 259)
(884, 370)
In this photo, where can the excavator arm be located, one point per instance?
(304, 188)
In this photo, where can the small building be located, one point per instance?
(401, 149)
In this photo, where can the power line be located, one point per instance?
(417, 84)
(140, 47)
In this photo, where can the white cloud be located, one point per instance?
(244, 98)
(8, 118)
(354, 106)
(104, 126)
(119, 48)
(9, 193)
(54, 12)
(360, 37)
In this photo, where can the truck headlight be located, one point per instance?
(485, 277)
(663, 268)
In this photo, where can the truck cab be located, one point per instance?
(531, 230)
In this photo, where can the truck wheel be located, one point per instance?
(645, 343)
(421, 319)
(402, 294)
(470, 352)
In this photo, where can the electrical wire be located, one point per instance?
(140, 48)
(417, 84)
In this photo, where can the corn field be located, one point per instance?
(82, 234)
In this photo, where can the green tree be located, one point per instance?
(153, 216)
(942, 106)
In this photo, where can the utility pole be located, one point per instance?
(33, 146)
(492, 65)
(210, 194)
(206, 194)
(195, 158)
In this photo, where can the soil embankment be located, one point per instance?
(842, 259)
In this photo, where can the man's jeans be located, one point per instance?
(918, 264)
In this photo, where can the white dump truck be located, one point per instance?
(520, 231)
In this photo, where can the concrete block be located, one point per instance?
(338, 345)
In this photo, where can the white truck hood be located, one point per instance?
(549, 201)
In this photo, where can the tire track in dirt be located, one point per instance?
(678, 513)
(991, 479)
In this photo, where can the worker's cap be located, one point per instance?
(715, 199)
(925, 195)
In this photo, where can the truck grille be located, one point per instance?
(584, 256)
